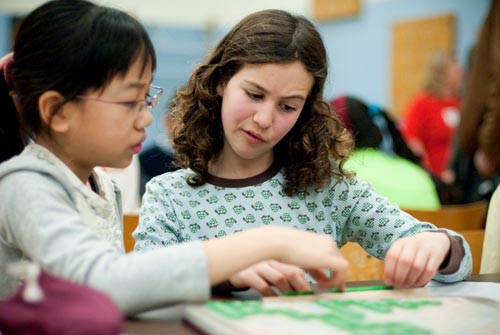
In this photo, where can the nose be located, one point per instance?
(145, 118)
(264, 116)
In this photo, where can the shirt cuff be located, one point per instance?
(451, 262)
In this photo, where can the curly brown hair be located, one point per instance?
(314, 150)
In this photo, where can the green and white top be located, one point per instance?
(348, 209)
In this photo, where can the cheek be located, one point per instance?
(235, 108)
(283, 125)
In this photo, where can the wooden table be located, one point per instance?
(148, 327)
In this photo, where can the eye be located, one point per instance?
(131, 104)
(254, 96)
(287, 108)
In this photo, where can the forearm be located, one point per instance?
(253, 246)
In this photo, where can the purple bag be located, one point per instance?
(57, 306)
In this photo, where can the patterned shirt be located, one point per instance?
(348, 209)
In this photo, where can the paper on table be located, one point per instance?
(466, 289)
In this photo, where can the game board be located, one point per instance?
(409, 312)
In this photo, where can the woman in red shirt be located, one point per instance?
(433, 115)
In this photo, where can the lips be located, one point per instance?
(254, 135)
(137, 148)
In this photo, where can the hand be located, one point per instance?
(262, 276)
(413, 261)
(448, 176)
(484, 166)
(315, 253)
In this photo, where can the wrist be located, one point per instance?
(276, 243)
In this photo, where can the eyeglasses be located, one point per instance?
(150, 102)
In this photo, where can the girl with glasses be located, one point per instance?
(260, 147)
(72, 99)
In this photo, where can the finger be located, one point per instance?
(293, 276)
(318, 275)
(334, 280)
(340, 274)
(390, 262)
(275, 278)
(263, 287)
(403, 266)
(430, 270)
(331, 278)
(339, 267)
(260, 285)
(417, 269)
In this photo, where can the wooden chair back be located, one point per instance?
(455, 217)
(363, 266)
(130, 222)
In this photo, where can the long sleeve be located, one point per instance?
(43, 224)
(348, 209)
(159, 225)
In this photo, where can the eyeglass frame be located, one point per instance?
(132, 105)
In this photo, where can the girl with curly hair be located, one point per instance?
(259, 146)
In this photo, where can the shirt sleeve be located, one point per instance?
(51, 232)
(158, 223)
(375, 223)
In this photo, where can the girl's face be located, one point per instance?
(107, 132)
(453, 76)
(260, 104)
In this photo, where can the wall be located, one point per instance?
(359, 47)
(185, 13)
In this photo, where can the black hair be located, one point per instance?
(367, 134)
(68, 46)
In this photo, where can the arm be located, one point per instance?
(414, 260)
(309, 250)
(53, 234)
(158, 222)
(265, 275)
(388, 233)
(160, 225)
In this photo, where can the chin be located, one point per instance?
(122, 164)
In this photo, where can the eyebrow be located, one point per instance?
(294, 96)
(135, 85)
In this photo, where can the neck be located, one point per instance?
(59, 151)
(238, 169)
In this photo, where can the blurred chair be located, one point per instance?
(130, 222)
(455, 217)
(363, 266)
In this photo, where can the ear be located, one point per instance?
(220, 88)
(52, 111)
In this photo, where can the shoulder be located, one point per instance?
(170, 181)
(419, 101)
(29, 188)
(29, 172)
